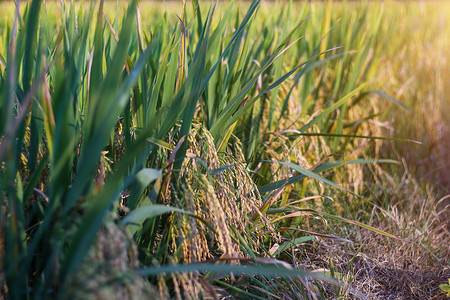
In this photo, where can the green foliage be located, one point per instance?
(446, 288)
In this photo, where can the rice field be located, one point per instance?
(224, 150)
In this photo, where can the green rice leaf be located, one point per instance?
(392, 99)
(293, 243)
(142, 213)
(264, 270)
(313, 175)
(321, 168)
(336, 105)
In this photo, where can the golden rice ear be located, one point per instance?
(218, 188)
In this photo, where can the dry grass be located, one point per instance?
(376, 267)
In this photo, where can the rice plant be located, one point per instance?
(181, 153)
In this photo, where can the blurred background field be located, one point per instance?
(154, 151)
